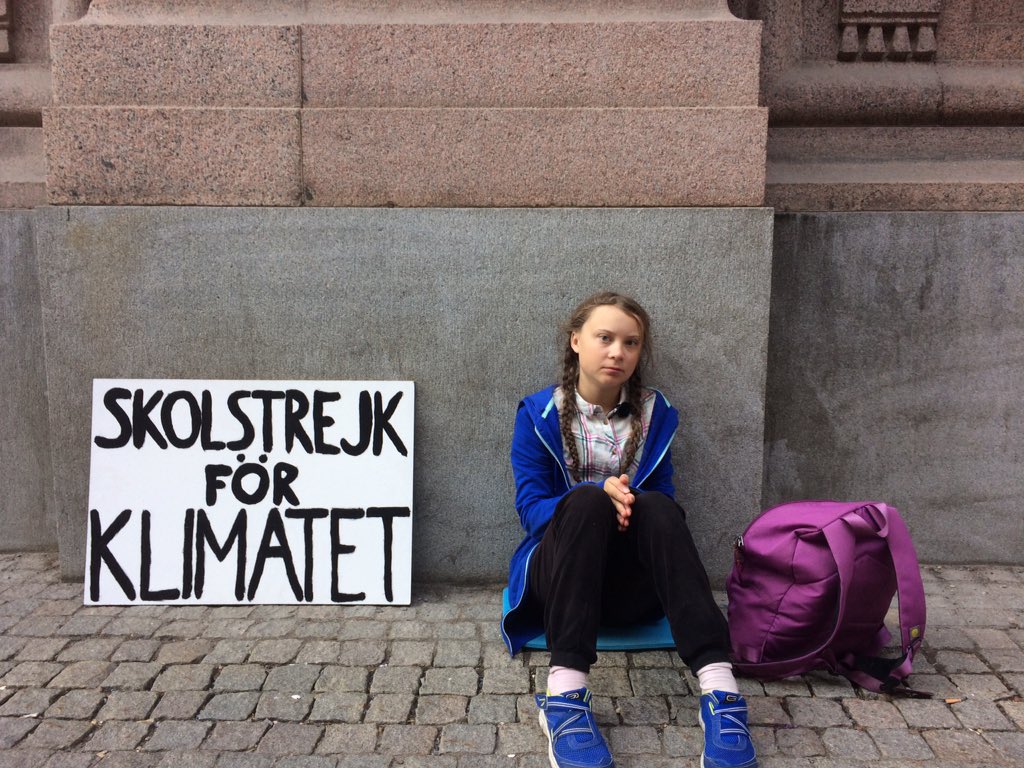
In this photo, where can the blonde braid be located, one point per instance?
(634, 395)
(568, 411)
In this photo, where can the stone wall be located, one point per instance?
(463, 302)
(895, 366)
(26, 512)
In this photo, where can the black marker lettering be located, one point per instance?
(338, 549)
(186, 553)
(322, 421)
(387, 515)
(274, 529)
(204, 534)
(248, 433)
(167, 419)
(296, 406)
(110, 398)
(214, 473)
(307, 516)
(145, 571)
(141, 420)
(365, 426)
(268, 397)
(208, 443)
(284, 475)
(381, 424)
(99, 552)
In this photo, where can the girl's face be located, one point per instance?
(608, 346)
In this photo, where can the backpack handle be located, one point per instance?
(841, 536)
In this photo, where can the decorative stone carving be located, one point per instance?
(892, 30)
(6, 28)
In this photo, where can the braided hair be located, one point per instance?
(571, 370)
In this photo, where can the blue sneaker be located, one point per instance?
(727, 744)
(573, 738)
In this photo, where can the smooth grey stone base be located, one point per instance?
(26, 514)
(465, 302)
(896, 372)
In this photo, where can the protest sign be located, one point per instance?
(227, 492)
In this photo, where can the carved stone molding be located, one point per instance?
(891, 30)
(6, 30)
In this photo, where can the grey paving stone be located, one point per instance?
(335, 679)
(82, 674)
(431, 761)
(179, 705)
(874, 713)
(634, 740)
(133, 626)
(187, 759)
(457, 653)
(389, 708)
(829, 686)
(293, 678)
(77, 704)
(9, 646)
(290, 739)
(655, 682)
(452, 680)
(439, 710)
(128, 705)
(235, 736)
(176, 734)
(275, 651)
(348, 739)
(1015, 711)
(682, 741)
(464, 737)
(184, 651)
(785, 688)
(230, 652)
(506, 680)
(132, 674)
(457, 630)
(491, 761)
(643, 710)
(926, 714)
(898, 743)
(116, 735)
(57, 734)
(338, 707)
(764, 741)
(28, 701)
(69, 760)
(90, 649)
(766, 710)
(389, 679)
(244, 760)
(815, 712)
(32, 674)
(849, 743)
(135, 650)
(42, 649)
(959, 661)
(38, 626)
(186, 629)
(230, 706)
(240, 677)
(979, 685)
(1009, 744)
(407, 739)
(988, 638)
(798, 742)
(362, 653)
(83, 625)
(407, 630)
(411, 653)
(25, 757)
(1005, 660)
(305, 761)
(517, 738)
(960, 746)
(277, 705)
(364, 761)
(484, 708)
(319, 652)
(603, 708)
(184, 677)
(981, 715)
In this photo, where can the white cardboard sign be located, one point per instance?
(227, 492)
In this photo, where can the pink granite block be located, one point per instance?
(534, 157)
(176, 65)
(620, 64)
(22, 168)
(172, 156)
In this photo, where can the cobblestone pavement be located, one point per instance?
(431, 685)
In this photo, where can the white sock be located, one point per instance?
(562, 679)
(717, 677)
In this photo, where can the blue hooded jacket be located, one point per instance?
(542, 479)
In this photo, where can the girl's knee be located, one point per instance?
(659, 512)
(588, 502)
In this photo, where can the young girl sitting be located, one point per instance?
(606, 543)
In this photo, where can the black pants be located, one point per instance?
(586, 573)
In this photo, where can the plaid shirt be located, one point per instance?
(601, 441)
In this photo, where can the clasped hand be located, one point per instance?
(622, 498)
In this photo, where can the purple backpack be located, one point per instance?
(810, 588)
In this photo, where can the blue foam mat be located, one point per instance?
(639, 637)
